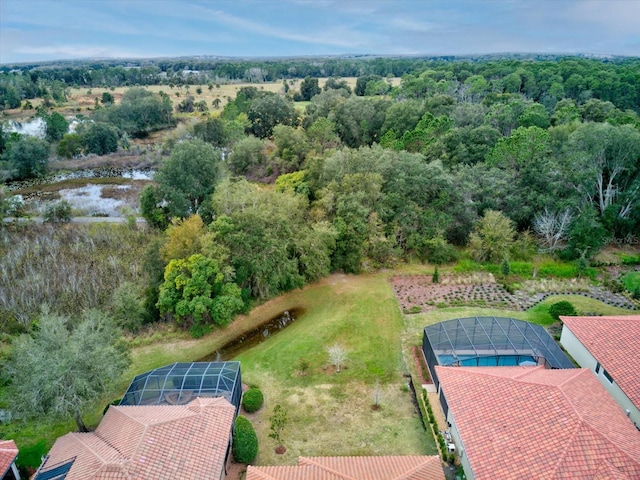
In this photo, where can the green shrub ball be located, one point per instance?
(563, 308)
(252, 400)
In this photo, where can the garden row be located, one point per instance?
(419, 293)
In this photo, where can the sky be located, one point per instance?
(39, 30)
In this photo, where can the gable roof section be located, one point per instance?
(151, 442)
(8, 454)
(551, 424)
(614, 341)
(416, 467)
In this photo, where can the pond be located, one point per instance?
(34, 127)
(249, 340)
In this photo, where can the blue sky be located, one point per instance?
(32, 30)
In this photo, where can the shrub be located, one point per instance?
(245, 441)
(58, 212)
(562, 308)
(252, 400)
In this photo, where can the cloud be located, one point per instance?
(76, 51)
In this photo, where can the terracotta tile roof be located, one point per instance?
(354, 468)
(536, 423)
(151, 443)
(615, 343)
(8, 454)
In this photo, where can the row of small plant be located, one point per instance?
(442, 444)
(417, 293)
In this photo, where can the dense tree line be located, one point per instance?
(367, 178)
(545, 152)
(542, 79)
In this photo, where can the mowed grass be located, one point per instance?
(331, 413)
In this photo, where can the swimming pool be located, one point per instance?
(488, 361)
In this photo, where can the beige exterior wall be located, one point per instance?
(460, 451)
(586, 360)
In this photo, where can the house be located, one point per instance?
(179, 383)
(610, 348)
(490, 342)
(537, 423)
(148, 442)
(8, 455)
(354, 468)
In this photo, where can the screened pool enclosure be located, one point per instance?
(490, 341)
(179, 383)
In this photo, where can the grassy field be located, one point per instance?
(331, 413)
(82, 100)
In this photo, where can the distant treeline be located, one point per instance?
(616, 80)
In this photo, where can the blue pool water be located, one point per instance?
(491, 361)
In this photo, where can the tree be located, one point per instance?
(55, 126)
(196, 292)
(107, 98)
(70, 145)
(272, 244)
(152, 207)
(29, 157)
(211, 131)
(278, 421)
(63, 367)
(337, 355)
(552, 228)
(269, 111)
(100, 138)
(183, 238)
(247, 154)
(362, 83)
(291, 147)
(188, 177)
(309, 88)
(359, 120)
(606, 169)
(492, 238)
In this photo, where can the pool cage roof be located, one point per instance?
(493, 337)
(179, 383)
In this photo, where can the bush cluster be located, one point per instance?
(252, 400)
(563, 308)
(245, 441)
(434, 425)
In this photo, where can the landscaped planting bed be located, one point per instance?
(418, 293)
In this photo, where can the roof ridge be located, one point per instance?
(255, 471)
(325, 468)
(406, 475)
(527, 371)
(80, 436)
(614, 444)
(565, 450)
(578, 372)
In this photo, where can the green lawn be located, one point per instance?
(330, 413)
